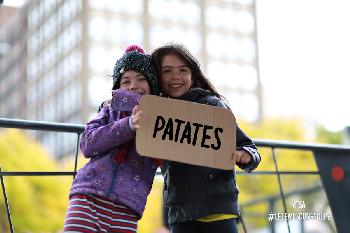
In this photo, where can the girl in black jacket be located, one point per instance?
(199, 199)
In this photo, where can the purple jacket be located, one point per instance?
(129, 182)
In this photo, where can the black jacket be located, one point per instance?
(193, 192)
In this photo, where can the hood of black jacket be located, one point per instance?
(194, 94)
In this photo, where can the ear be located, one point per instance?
(193, 83)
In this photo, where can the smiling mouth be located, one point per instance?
(137, 92)
(175, 85)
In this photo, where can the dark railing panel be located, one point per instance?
(335, 175)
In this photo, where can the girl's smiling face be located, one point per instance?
(135, 82)
(175, 76)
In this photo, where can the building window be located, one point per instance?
(98, 28)
(97, 59)
(133, 32)
(189, 37)
(247, 49)
(99, 90)
(176, 11)
(124, 6)
(245, 22)
(33, 18)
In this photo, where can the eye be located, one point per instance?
(164, 71)
(141, 78)
(124, 82)
(184, 70)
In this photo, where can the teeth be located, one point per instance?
(175, 85)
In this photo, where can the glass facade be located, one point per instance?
(70, 48)
(13, 54)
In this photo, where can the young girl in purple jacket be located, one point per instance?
(109, 193)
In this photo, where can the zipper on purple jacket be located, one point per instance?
(114, 177)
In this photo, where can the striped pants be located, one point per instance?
(89, 214)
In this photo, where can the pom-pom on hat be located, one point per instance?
(134, 58)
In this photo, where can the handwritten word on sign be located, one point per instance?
(186, 132)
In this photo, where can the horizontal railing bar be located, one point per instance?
(280, 172)
(301, 145)
(79, 128)
(41, 125)
(45, 173)
(15, 173)
(37, 173)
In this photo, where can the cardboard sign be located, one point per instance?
(186, 132)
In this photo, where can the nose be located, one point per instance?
(176, 74)
(133, 86)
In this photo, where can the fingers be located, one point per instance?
(234, 157)
(135, 109)
(136, 117)
(242, 157)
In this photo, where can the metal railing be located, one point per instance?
(322, 151)
(38, 125)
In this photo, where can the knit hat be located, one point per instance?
(134, 58)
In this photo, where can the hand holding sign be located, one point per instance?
(135, 117)
(186, 132)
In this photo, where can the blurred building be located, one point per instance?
(56, 55)
(13, 58)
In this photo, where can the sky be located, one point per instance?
(304, 56)
(304, 59)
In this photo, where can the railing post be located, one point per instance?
(76, 156)
(272, 210)
(240, 220)
(6, 201)
(280, 186)
(302, 226)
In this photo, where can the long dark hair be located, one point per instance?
(198, 78)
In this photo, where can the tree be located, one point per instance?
(326, 136)
(152, 217)
(253, 187)
(31, 199)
